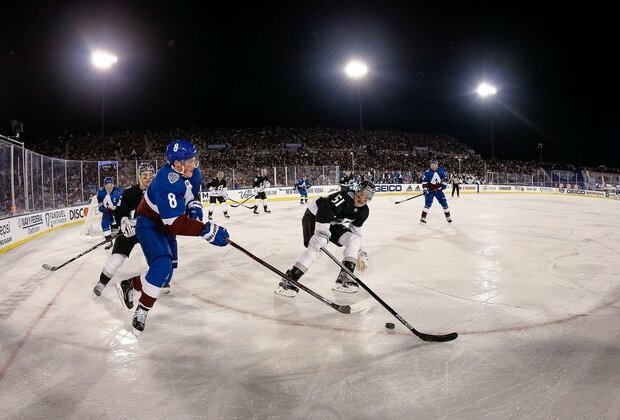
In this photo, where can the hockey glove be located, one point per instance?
(266, 184)
(214, 234)
(443, 186)
(194, 210)
(128, 227)
(362, 261)
(319, 240)
(101, 208)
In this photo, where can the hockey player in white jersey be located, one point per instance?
(337, 218)
(169, 208)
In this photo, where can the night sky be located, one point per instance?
(271, 64)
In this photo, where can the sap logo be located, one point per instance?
(77, 213)
(388, 188)
(5, 229)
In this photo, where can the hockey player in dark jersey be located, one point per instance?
(169, 208)
(218, 193)
(260, 183)
(434, 181)
(124, 243)
(345, 180)
(337, 218)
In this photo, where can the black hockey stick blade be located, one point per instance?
(420, 335)
(344, 309)
(410, 198)
(50, 268)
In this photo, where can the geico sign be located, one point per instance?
(77, 213)
(388, 188)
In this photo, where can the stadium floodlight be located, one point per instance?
(356, 69)
(103, 61)
(486, 90)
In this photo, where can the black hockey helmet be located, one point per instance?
(366, 188)
(146, 167)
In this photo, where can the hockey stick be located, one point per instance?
(422, 336)
(50, 268)
(410, 198)
(240, 204)
(344, 309)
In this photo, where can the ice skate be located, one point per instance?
(344, 282)
(286, 288)
(125, 293)
(98, 289)
(139, 319)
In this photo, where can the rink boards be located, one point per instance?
(19, 229)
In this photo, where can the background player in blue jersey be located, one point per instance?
(108, 198)
(170, 207)
(302, 188)
(434, 181)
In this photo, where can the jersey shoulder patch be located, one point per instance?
(173, 177)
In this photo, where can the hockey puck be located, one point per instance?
(389, 325)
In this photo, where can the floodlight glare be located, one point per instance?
(356, 69)
(103, 60)
(485, 89)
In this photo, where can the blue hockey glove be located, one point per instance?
(214, 234)
(101, 208)
(194, 210)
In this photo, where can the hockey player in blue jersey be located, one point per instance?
(434, 181)
(170, 207)
(108, 198)
(302, 188)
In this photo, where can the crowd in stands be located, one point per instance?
(268, 147)
(380, 155)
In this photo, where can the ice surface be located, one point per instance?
(531, 284)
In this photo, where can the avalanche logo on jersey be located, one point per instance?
(110, 202)
(436, 179)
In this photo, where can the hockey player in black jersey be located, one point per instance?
(337, 218)
(345, 180)
(123, 244)
(260, 183)
(218, 193)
